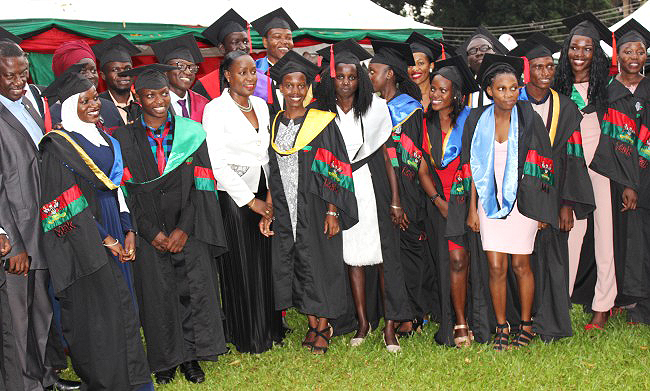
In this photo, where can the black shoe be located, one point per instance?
(64, 385)
(165, 377)
(193, 372)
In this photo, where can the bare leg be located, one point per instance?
(389, 330)
(358, 284)
(311, 335)
(526, 283)
(498, 265)
(459, 266)
(320, 342)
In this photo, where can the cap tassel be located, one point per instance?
(613, 70)
(319, 62)
(526, 70)
(332, 63)
(269, 88)
(444, 56)
(47, 115)
(250, 40)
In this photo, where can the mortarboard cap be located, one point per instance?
(588, 25)
(456, 70)
(535, 46)
(183, 47)
(274, 20)
(421, 44)
(293, 62)
(230, 22)
(482, 32)
(491, 61)
(69, 83)
(116, 48)
(397, 55)
(4, 34)
(347, 52)
(632, 31)
(151, 77)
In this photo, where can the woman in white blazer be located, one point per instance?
(237, 127)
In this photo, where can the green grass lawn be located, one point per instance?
(615, 359)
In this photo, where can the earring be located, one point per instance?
(619, 67)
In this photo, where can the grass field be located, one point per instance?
(615, 359)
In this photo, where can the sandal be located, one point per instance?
(523, 337)
(465, 340)
(392, 348)
(322, 349)
(500, 341)
(354, 342)
(405, 334)
(308, 345)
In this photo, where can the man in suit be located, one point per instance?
(21, 128)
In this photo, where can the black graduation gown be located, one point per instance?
(133, 110)
(536, 199)
(308, 272)
(99, 321)
(177, 293)
(617, 157)
(550, 259)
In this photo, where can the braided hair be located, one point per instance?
(457, 102)
(499, 69)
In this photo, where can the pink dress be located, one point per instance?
(516, 233)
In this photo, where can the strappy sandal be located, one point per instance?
(308, 345)
(465, 340)
(322, 349)
(523, 337)
(405, 334)
(500, 341)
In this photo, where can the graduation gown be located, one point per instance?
(308, 272)
(99, 319)
(177, 293)
(536, 199)
(550, 259)
(619, 158)
(133, 110)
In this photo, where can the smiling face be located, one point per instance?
(504, 91)
(632, 56)
(476, 51)
(442, 92)
(278, 42)
(242, 76)
(542, 70)
(109, 74)
(14, 72)
(346, 81)
(181, 80)
(419, 73)
(379, 75)
(155, 103)
(235, 41)
(294, 89)
(88, 106)
(581, 53)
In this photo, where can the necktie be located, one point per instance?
(185, 113)
(160, 151)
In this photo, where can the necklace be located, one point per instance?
(245, 109)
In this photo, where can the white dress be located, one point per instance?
(361, 243)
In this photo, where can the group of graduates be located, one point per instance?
(475, 187)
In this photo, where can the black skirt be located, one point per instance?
(252, 324)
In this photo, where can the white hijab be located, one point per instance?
(71, 122)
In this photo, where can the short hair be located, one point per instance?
(10, 49)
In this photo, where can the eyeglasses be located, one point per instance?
(482, 49)
(193, 68)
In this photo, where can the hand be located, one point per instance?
(19, 264)
(265, 227)
(566, 218)
(443, 206)
(5, 246)
(331, 226)
(129, 247)
(629, 199)
(261, 208)
(160, 242)
(176, 241)
(396, 214)
(473, 221)
(115, 249)
(541, 226)
(404, 224)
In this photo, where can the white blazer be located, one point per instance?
(232, 141)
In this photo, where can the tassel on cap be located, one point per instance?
(332, 63)
(269, 88)
(613, 69)
(250, 40)
(48, 116)
(526, 70)
(443, 55)
(319, 62)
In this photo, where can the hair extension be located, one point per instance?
(457, 104)
(325, 93)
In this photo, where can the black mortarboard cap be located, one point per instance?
(230, 22)
(397, 55)
(67, 84)
(588, 25)
(482, 32)
(116, 48)
(491, 61)
(183, 47)
(4, 34)
(449, 49)
(151, 77)
(293, 62)
(535, 46)
(632, 31)
(347, 52)
(274, 20)
(456, 70)
(421, 44)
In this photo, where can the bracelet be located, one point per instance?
(251, 203)
(335, 214)
(396, 207)
(434, 197)
(111, 245)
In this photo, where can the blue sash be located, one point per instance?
(118, 165)
(401, 107)
(262, 64)
(482, 165)
(455, 141)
